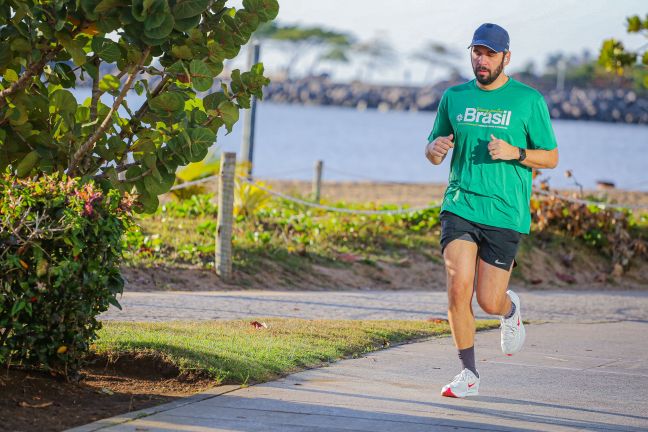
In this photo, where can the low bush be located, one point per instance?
(60, 250)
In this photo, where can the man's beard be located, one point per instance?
(491, 77)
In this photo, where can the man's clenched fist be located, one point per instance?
(500, 149)
(436, 150)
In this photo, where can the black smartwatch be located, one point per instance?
(522, 154)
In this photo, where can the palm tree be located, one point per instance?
(300, 41)
(375, 53)
(437, 55)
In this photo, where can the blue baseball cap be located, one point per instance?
(491, 36)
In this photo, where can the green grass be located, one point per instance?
(182, 233)
(290, 239)
(234, 352)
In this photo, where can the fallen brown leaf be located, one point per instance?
(258, 325)
(348, 257)
(566, 277)
(40, 405)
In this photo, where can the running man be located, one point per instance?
(497, 129)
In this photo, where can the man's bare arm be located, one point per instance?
(438, 149)
(541, 158)
(500, 149)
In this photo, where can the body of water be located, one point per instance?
(389, 146)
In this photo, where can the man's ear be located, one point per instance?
(507, 58)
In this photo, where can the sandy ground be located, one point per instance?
(413, 194)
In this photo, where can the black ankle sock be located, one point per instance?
(511, 312)
(467, 357)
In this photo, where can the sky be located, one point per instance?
(536, 28)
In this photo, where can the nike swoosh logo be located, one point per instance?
(500, 263)
(471, 385)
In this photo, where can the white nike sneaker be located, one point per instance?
(464, 384)
(512, 329)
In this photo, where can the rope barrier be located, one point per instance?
(337, 209)
(589, 202)
(195, 182)
(405, 211)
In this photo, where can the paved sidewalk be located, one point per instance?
(538, 305)
(570, 376)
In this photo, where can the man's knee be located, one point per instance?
(491, 304)
(460, 294)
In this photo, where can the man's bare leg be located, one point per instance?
(494, 298)
(460, 257)
(492, 284)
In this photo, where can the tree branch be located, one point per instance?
(90, 142)
(141, 176)
(24, 80)
(118, 169)
(95, 92)
(144, 108)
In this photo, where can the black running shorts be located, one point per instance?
(496, 246)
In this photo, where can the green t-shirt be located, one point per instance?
(482, 190)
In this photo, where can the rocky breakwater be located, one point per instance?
(322, 91)
(608, 105)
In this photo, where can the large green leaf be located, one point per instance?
(89, 6)
(182, 52)
(163, 30)
(73, 46)
(156, 18)
(153, 42)
(108, 24)
(226, 44)
(267, 9)
(109, 84)
(140, 9)
(154, 186)
(17, 115)
(201, 78)
(20, 45)
(106, 49)
(189, 8)
(197, 154)
(133, 172)
(167, 103)
(149, 202)
(63, 101)
(10, 75)
(167, 178)
(187, 24)
(108, 5)
(229, 113)
(212, 100)
(202, 137)
(117, 145)
(248, 22)
(65, 75)
(5, 54)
